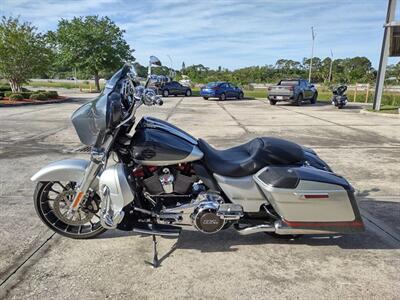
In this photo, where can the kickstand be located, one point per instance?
(156, 263)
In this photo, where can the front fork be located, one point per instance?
(97, 161)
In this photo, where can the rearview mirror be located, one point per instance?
(155, 61)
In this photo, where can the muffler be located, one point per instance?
(279, 228)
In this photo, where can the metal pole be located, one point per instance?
(330, 68)
(380, 80)
(312, 53)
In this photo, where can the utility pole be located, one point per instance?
(380, 80)
(312, 53)
(330, 68)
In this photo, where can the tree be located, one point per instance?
(23, 52)
(92, 43)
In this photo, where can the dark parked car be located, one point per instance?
(221, 90)
(175, 88)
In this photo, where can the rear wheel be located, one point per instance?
(299, 100)
(165, 93)
(222, 97)
(52, 202)
(272, 102)
(314, 98)
(188, 93)
(240, 96)
(205, 98)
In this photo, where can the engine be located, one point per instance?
(185, 200)
(169, 180)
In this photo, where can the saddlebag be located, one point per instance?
(309, 198)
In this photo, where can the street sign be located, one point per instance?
(394, 48)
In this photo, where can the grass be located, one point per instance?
(386, 109)
(66, 85)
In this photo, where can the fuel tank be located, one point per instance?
(159, 143)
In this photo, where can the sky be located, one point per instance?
(227, 33)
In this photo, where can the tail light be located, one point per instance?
(269, 88)
(291, 88)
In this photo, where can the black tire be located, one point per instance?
(340, 106)
(50, 219)
(314, 98)
(222, 97)
(165, 93)
(272, 102)
(205, 98)
(188, 93)
(240, 96)
(299, 100)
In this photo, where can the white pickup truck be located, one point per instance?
(294, 90)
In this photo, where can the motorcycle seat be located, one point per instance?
(250, 157)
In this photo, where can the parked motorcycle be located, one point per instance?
(159, 178)
(339, 98)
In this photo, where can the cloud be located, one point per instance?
(228, 33)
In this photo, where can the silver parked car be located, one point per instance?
(294, 90)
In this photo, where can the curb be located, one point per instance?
(35, 103)
(364, 111)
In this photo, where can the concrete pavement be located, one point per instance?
(35, 263)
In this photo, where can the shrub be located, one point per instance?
(26, 94)
(39, 96)
(5, 88)
(16, 97)
(52, 94)
(1, 95)
(8, 93)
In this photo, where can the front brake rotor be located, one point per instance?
(62, 205)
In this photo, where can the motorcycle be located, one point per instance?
(339, 98)
(159, 179)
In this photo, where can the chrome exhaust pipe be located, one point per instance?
(257, 228)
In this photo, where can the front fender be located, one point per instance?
(63, 170)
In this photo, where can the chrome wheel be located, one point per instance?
(52, 202)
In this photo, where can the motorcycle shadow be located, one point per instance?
(230, 240)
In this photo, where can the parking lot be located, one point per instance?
(365, 148)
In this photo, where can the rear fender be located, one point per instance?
(64, 170)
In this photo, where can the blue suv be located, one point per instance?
(221, 90)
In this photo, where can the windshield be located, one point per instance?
(92, 119)
(289, 82)
(212, 84)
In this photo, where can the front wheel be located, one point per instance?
(165, 93)
(272, 102)
(188, 93)
(52, 201)
(222, 97)
(205, 98)
(240, 96)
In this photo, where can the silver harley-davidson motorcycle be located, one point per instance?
(162, 178)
